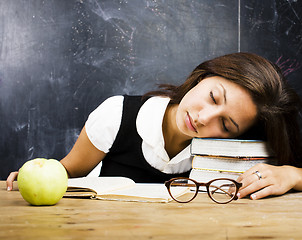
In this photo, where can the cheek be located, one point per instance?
(191, 98)
(179, 118)
(211, 131)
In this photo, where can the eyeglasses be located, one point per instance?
(220, 190)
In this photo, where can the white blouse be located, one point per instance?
(103, 125)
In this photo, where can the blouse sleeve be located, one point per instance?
(104, 122)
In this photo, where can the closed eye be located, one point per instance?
(224, 126)
(212, 97)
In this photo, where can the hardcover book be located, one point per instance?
(226, 158)
(227, 164)
(208, 175)
(230, 147)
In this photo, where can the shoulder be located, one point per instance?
(112, 104)
(114, 101)
(104, 122)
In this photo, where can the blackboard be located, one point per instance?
(274, 29)
(61, 58)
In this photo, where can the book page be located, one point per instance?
(230, 147)
(225, 163)
(118, 188)
(100, 185)
(142, 192)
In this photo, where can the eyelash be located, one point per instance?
(212, 97)
(223, 126)
(222, 120)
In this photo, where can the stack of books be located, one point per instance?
(226, 158)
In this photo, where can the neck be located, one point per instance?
(175, 141)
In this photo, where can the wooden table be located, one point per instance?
(271, 218)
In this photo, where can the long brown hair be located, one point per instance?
(277, 103)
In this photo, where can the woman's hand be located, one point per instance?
(269, 180)
(10, 179)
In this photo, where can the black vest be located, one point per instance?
(125, 157)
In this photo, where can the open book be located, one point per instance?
(118, 188)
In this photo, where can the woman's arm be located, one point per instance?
(275, 180)
(82, 158)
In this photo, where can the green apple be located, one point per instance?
(42, 181)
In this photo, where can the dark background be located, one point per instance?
(59, 59)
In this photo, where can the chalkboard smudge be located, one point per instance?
(288, 65)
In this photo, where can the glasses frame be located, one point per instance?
(201, 184)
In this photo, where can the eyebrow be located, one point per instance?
(225, 101)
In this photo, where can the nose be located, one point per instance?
(208, 115)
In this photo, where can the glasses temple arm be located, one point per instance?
(220, 188)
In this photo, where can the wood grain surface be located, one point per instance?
(271, 218)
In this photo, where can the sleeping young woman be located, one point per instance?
(146, 138)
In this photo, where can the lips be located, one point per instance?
(189, 123)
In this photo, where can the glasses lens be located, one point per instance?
(222, 190)
(179, 186)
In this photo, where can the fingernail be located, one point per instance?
(253, 196)
(8, 189)
(238, 195)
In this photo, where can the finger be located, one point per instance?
(248, 173)
(248, 180)
(262, 193)
(252, 188)
(258, 167)
(9, 181)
